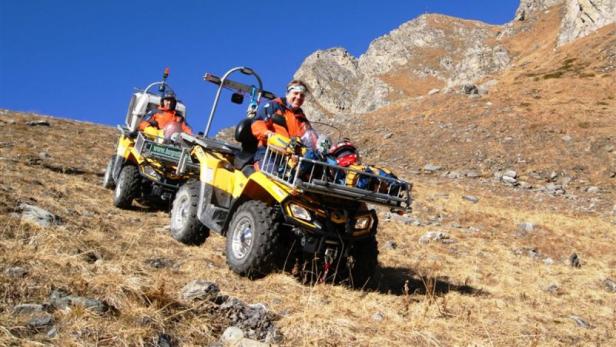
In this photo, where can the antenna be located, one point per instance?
(163, 85)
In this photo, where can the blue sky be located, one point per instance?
(82, 59)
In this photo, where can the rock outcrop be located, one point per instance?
(332, 75)
(528, 8)
(450, 50)
(580, 17)
(585, 16)
(436, 50)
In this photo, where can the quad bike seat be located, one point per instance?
(243, 134)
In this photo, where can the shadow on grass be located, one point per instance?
(151, 205)
(402, 281)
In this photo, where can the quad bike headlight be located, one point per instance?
(363, 222)
(300, 212)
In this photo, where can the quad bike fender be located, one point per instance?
(224, 187)
(215, 170)
(126, 150)
(125, 144)
(256, 187)
(260, 187)
(125, 153)
(218, 201)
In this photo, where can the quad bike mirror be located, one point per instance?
(237, 98)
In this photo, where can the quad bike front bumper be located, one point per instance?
(318, 226)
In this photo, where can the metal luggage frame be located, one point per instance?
(145, 146)
(328, 179)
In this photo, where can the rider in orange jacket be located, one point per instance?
(282, 115)
(165, 115)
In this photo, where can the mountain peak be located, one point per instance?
(437, 51)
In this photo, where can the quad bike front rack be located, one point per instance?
(164, 152)
(308, 175)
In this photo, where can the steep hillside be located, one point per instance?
(475, 263)
(550, 117)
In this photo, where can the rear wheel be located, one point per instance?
(252, 240)
(108, 182)
(128, 187)
(185, 224)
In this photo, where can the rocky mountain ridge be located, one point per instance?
(439, 51)
(434, 52)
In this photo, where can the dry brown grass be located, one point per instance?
(474, 291)
(410, 85)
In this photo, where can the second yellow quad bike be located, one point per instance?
(293, 213)
(144, 166)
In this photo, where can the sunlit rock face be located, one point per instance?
(443, 50)
(585, 16)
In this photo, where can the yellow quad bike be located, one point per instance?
(144, 166)
(295, 213)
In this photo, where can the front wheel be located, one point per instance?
(362, 267)
(128, 187)
(252, 240)
(185, 225)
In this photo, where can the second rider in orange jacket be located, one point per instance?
(165, 115)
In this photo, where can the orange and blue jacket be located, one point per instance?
(163, 117)
(277, 118)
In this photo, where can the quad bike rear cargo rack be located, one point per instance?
(308, 175)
